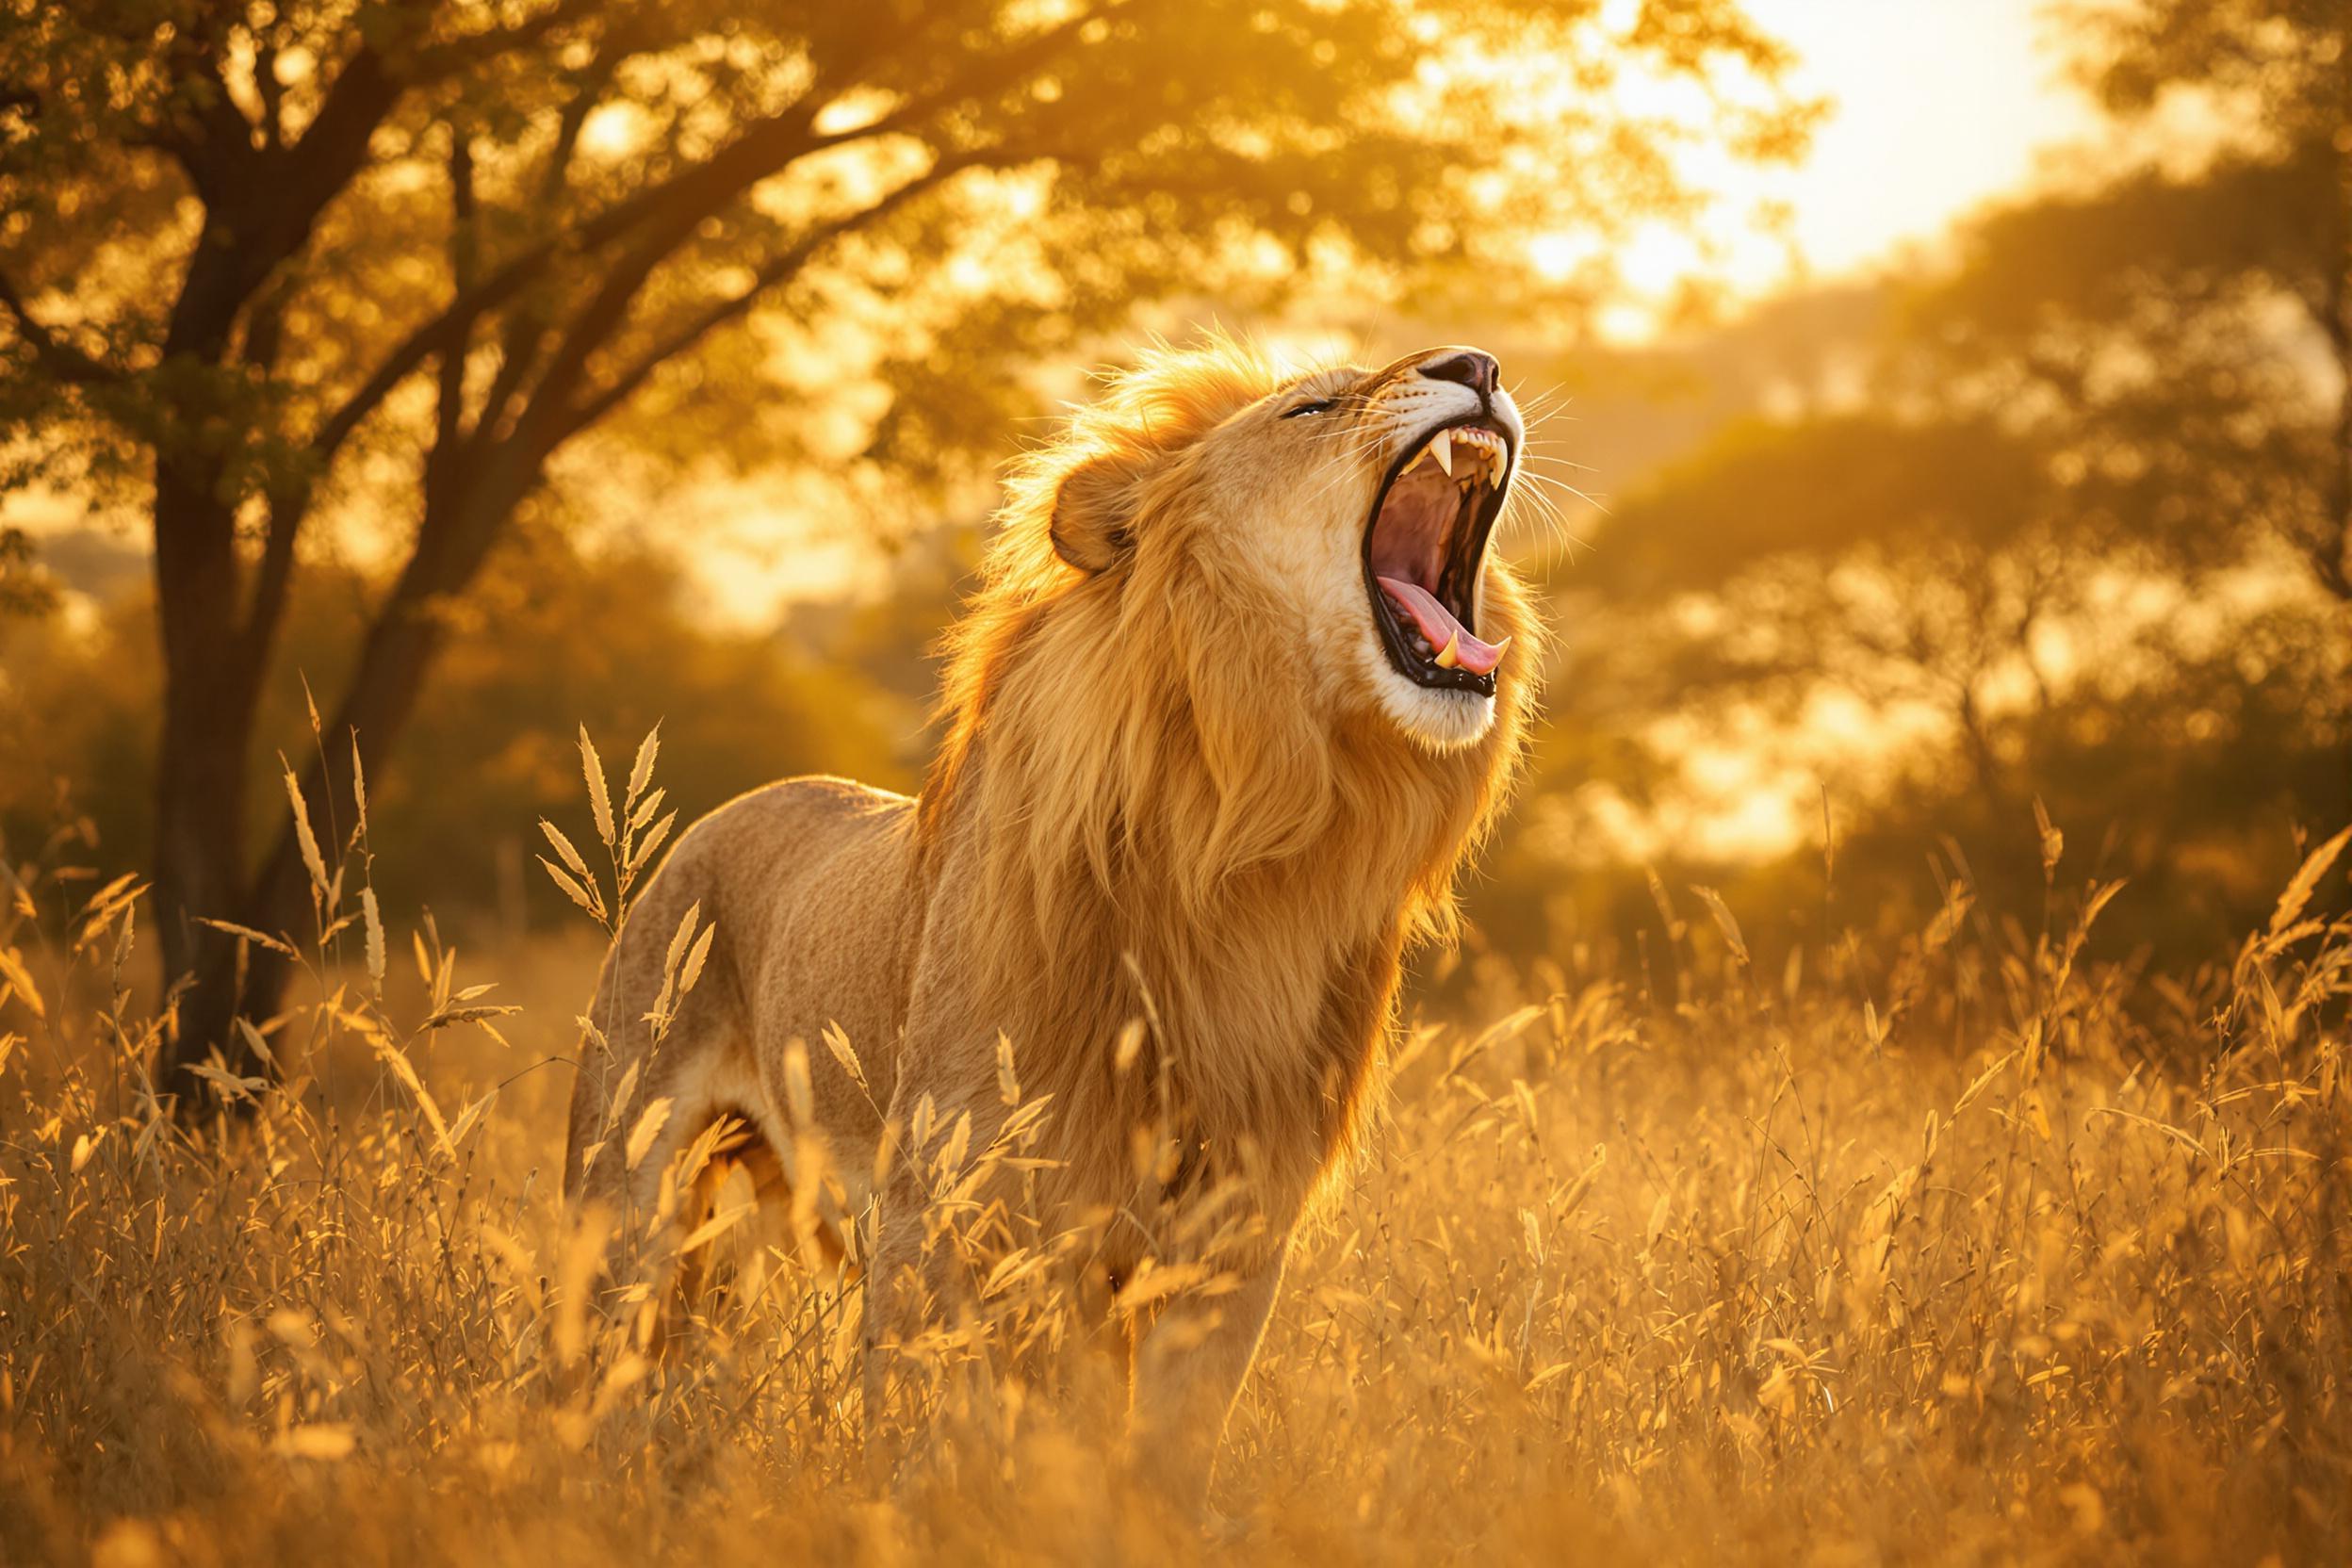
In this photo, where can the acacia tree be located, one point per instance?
(259, 255)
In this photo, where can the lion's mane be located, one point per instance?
(1142, 818)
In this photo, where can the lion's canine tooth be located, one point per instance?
(1450, 655)
(1442, 443)
(1500, 646)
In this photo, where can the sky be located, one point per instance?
(1939, 104)
(1935, 106)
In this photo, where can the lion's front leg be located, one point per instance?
(905, 1286)
(1190, 1366)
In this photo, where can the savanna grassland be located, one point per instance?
(1961, 1247)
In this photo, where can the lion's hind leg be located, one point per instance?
(740, 1227)
(661, 1063)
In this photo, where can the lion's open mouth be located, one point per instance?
(1423, 551)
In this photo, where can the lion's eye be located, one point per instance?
(1320, 405)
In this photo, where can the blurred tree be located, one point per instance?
(1914, 565)
(2185, 339)
(553, 637)
(2082, 532)
(259, 254)
(24, 590)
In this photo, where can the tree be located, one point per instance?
(1909, 562)
(23, 591)
(2189, 334)
(556, 638)
(2135, 392)
(259, 253)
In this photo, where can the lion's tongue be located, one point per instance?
(1438, 624)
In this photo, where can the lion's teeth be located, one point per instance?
(1500, 646)
(1442, 445)
(1450, 655)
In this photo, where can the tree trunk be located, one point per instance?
(2338, 572)
(462, 518)
(2336, 569)
(2339, 274)
(209, 693)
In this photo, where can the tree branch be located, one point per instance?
(775, 270)
(720, 180)
(434, 62)
(464, 250)
(764, 147)
(593, 83)
(601, 229)
(272, 92)
(204, 130)
(525, 338)
(57, 357)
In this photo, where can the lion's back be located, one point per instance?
(814, 826)
(802, 887)
(809, 879)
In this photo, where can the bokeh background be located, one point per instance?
(1888, 1105)
(1943, 415)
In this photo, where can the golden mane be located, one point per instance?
(1158, 824)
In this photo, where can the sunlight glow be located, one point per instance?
(1935, 108)
(613, 131)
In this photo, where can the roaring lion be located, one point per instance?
(1241, 689)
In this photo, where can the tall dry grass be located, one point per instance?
(1973, 1250)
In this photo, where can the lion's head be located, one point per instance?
(1343, 514)
(1235, 608)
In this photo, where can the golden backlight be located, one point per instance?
(1861, 1079)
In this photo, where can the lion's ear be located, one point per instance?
(1094, 510)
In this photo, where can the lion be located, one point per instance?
(1242, 688)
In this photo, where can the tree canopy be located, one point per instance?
(2080, 532)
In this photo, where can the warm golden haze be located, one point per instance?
(1852, 1074)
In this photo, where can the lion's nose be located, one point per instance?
(1468, 367)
